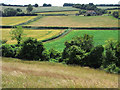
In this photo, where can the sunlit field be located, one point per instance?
(38, 34)
(76, 21)
(15, 20)
(99, 38)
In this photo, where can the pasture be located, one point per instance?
(99, 38)
(38, 34)
(76, 21)
(18, 73)
(15, 20)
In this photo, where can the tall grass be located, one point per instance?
(34, 74)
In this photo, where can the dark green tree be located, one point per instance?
(32, 50)
(36, 5)
(29, 8)
(10, 12)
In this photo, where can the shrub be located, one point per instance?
(74, 55)
(115, 14)
(95, 57)
(45, 55)
(111, 62)
(31, 49)
(8, 50)
(3, 41)
(112, 68)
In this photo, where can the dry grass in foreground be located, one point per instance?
(33, 74)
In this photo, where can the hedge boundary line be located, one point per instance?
(76, 28)
(55, 37)
(55, 11)
(29, 21)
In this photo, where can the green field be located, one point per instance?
(38, 34)
(17, 73)
(16, 20)
(76, 21)
(100, 37)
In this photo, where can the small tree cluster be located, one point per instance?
(81, 51)
(47, 5)
(116, 14)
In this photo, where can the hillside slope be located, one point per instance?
(31, 74)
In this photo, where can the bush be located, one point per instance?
(3, 41)
(111, 62)
(31, 49)
(74, 55)
(8, 50)
(112, 68)
(115, 14)
(95, 57)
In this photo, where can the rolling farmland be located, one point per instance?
(76, 21)
(48, 69)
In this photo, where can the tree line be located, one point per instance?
(36, 5)
(17, 12)
(78, 51)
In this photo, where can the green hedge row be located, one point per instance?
(42, 27)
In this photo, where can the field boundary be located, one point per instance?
(58, 36)
(76, 28)
(29, 21)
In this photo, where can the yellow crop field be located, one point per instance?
(16, 20)
(38, 34)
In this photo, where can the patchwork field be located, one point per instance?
(17, 73)
(100, 38)
(38, 34)
(16, 20)
(76, 21)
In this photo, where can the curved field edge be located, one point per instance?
(99, 38)
(38, 34)
(18, 73)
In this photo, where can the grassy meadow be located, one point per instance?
(76, 21)
(38, 34)
(99, 38)
(15, 20)
(17, 73)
